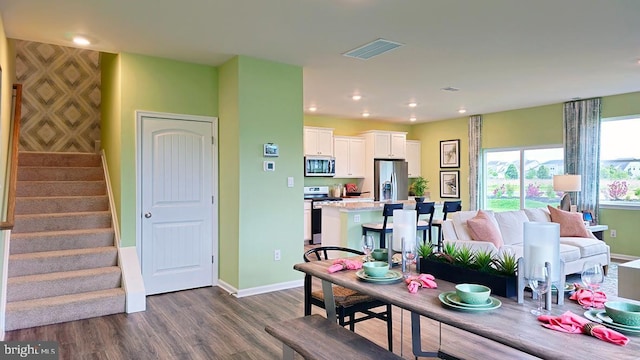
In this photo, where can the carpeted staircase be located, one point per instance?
(63, 263)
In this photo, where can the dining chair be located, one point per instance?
(425, 208)
(383, 227)
(447, 207)
(349, 302)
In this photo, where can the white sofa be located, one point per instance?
(574, 251)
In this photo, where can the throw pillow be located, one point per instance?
(482, 228)
(571, 224)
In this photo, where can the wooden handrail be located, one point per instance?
(13, 175)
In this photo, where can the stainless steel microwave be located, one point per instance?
(319, 166)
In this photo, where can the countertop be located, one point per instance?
(366, 205)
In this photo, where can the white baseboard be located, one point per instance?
(260, 289)
(623, 257)
(132, 281)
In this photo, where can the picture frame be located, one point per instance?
(450, 184)
(450, 153)
(270, 150)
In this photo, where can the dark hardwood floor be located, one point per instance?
(208, 323)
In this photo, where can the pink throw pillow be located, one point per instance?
(482, 228)
(571, 224)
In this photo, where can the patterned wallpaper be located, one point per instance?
(60, 97)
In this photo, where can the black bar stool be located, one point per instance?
(447, 207)
(425, 208)
(382, 228)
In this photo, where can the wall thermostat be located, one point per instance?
(269, 166)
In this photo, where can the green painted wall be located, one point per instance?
(430, 134)
(7, 64)
(160, 85)
(261, 102)
(110, 125)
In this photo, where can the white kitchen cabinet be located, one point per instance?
(307, 220)
(318, 141)
(387, 144)
(349, 154)
(413, 157)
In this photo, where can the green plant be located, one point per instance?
(483, 260)
(419, 186)
(465, 256)
(425, 250)
(506, 264)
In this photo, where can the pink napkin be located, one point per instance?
(574, 324)
(422, 280)
(345, 264)
(583, 296)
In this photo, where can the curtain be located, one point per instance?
(582, 150)
(475, 161)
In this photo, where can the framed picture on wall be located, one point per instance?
(450, 184)
(450, 153)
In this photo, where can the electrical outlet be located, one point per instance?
(276, 255)
(356, 218)
(613, 233)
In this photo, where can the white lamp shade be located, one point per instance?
(542, 244)
(404, 226)
(567, 182)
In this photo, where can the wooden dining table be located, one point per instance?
(512, 324)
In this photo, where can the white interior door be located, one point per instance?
(176, 204)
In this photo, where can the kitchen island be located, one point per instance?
(342, 221)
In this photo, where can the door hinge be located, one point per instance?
(213, 199)
(213, 140)
(212, 259)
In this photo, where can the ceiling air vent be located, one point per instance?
(374, 48)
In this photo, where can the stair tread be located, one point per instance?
(71, 252)
(60, 197)
(62, 275)
(63, 299)
(60, 233)
(79, 213)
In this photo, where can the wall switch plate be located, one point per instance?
(613, 233)
(276, 255)
(356, 218)
(290, 181)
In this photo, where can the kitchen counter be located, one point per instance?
(342, 221)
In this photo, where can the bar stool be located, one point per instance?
(447, 207)
(425, 208)
(382, 228)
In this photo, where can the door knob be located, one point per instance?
(147, 215)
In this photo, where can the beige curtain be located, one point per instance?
(475, 162)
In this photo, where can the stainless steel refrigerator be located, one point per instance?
(390, 180)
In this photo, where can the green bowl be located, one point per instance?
(473, 293)
(380, 254)
(623, 312)
(376, 268)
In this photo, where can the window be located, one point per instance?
(505, 188)
(620, 161)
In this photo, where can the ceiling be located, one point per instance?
(501, 54)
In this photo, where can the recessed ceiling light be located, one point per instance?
(80, 40)
(365, 114)
(413, 104)
(462, 111)
(312, 108)
(412, 119)
(356, 97)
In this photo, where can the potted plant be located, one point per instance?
(463, 265)
(419, 186)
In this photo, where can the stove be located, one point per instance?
(319, 196)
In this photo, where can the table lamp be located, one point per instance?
(566, 183)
